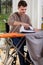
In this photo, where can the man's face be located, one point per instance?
(22, 9)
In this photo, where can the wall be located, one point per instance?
(14, 6)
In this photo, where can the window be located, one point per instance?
(5, 10)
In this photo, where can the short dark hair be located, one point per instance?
(22, 3)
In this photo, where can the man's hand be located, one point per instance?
(36, 30)
(26, 27)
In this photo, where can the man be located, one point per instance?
(16, 20)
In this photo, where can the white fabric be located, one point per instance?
(24, 30)
(35, 47)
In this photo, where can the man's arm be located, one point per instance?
(21, 23)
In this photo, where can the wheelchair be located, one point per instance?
(10, 58)
(8, 55)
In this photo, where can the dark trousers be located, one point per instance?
(19, 41)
